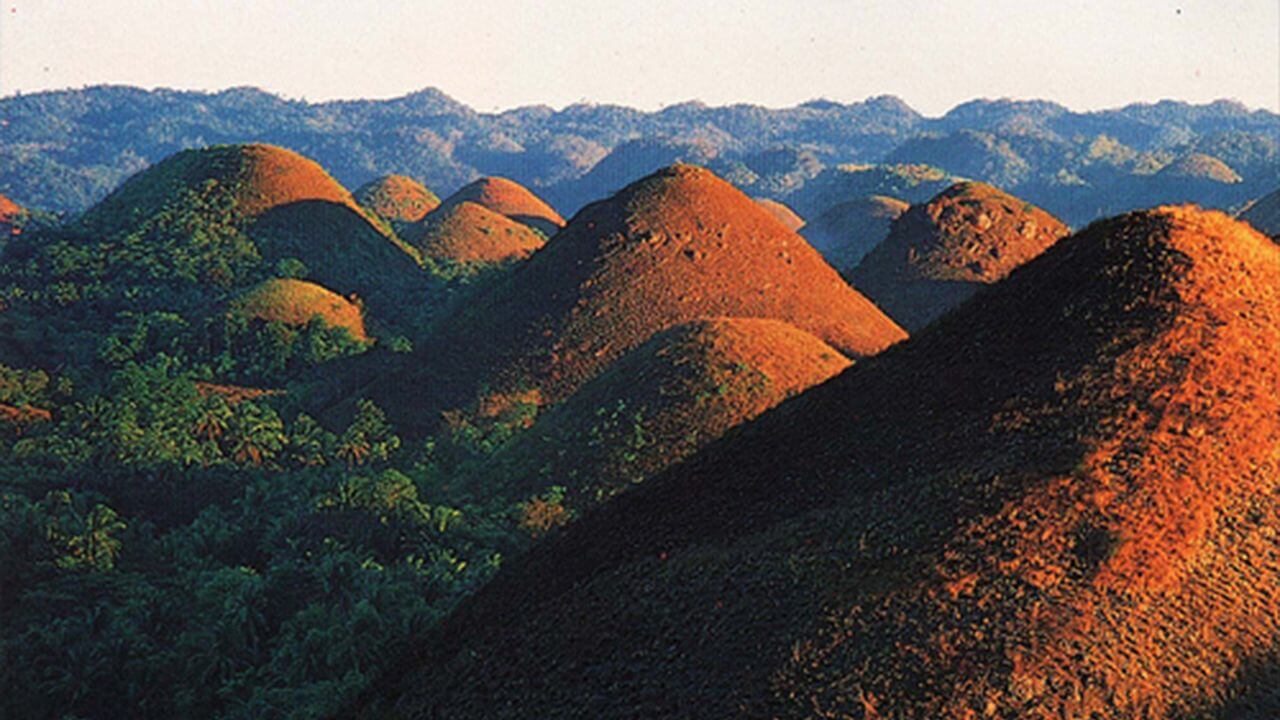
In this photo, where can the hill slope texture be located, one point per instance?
(659, 403)
(469, 238)
(846, 232)
(511, 199)
(1068, 515)
(939, 253)
(677, 246)
(297, 303)
(397, 198)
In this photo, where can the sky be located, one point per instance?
(498, 54)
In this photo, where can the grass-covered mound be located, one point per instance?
(939, 253)
(911, 182)
(784, 214)
(204, 222)
(467, 239)
(296, 303)
(397, 199)
(242, 181)
(509, 198)
(1264, 214)
(659, 403)
(1070, 515)
(676, 246)
(847, 231)
(1199, 167)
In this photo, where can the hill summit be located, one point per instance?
(509, 198)
(1069, 516)
(397, 198)
(297, 302)
(939, 253)
(240, 182)
(468, 238)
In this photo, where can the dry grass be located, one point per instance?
(297, 302)
(472, 237)
(1061, 501)
(397, 198)
(937, 254)
(512, 199)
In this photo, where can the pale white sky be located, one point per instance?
(496, 54)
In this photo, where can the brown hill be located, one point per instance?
(1198, 166)
(784, 214)
(467, 238)
(939, 253)
(511, 199)
(1264, 214)
(287, 205)
(297, 303)
(1065, 516)
(659, 403)
(846, 232)
(242, 181)
(396, 198)
(677, 246)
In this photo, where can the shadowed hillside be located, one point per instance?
(659, 403)
(1264, 214)
(1018, 513)
(847, 231)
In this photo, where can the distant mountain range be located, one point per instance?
(61, 151)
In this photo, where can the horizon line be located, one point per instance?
(660, 108)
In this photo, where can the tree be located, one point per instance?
(369, 438)
(82, 537)
(256, 433)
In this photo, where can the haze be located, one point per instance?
(502, 54)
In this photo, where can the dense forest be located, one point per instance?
(178, 536)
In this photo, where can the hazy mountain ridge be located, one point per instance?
(64, 150)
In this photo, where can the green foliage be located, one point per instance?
(368, 439)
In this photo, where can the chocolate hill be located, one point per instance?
(397, 199)
(659, 403)
(466, 238)
(511, 199)
(676, 246)
(1059, 502)
(241, 182)
(784, 214)
(297, 302)
(1264, 214)
(937, 254)
(285, 204)
(846, 232)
